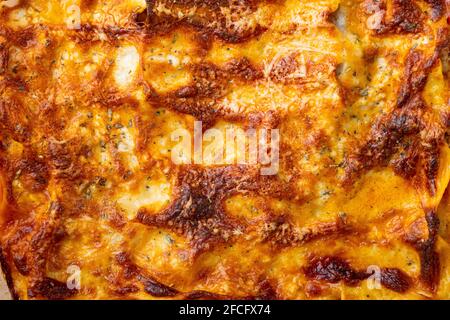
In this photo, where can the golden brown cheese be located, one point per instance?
(92, 92)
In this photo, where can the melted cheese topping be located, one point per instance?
(96, 98)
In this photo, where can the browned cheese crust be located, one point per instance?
(91, 93)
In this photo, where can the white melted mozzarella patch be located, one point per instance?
(127, 63)
(152, 195)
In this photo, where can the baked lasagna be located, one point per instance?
(93, 205)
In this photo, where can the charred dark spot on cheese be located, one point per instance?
(29, 249)
(239, 37)
(88, 34)
(313, 289)
(20, 262)
(209, 85)
(186, 92)
(42, 240)
(63, 158)
(25, 38)
(217, 18)
(395, 280)
(270, 119)
(132, 272)
(243, 69)
(405, 137)
(17, 83)
(431, 167)
(197, 211)
(406, 16)
(333, 269)
(370, 54)
(417, 69)
(203, 295)
(126, 290)
(15, 120)
(50, 289)
(4, 58)
(194, 216)
(429, 262)
(157, 289)
(60, 158)
(285, 67)
(326, 229)
(396, 140)
(34, 173)
(266, 291)
(199, 99)
(280, 232)
(141, 19)
(429, 258)
(17, 249)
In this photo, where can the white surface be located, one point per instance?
(4, 292)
